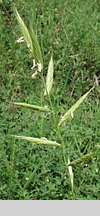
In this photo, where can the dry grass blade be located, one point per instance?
(49, 78)
(70, 112)
(24, 30)
(42, 141)
(70, 174)
(30, 106)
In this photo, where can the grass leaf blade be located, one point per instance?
(33, 174)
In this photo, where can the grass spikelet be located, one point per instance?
(30, 106)
(42, 141)
(49, 78)
(81, 159)
(36, 50)
(70, 112)
(70, 174)
(31, 41)
(24, 30)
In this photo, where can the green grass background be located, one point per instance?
(69, 29)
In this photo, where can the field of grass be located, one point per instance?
(69, 30)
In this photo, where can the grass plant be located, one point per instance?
(52, 153)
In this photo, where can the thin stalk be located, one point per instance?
(63, 147)
(53, 113)
(42, 121)
(55, 123)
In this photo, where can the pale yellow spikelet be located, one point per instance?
(70, 174)
(36, 50)
(31, 41)
(70, 112)
(24, 30)
(42, 141)
(49, 78)
(31, 106)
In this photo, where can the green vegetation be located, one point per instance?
(67, 30)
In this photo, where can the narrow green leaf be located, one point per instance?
(43, 141)
(24, 30)
(30, 106)
(70, 174)
(49, 78)
(10, 171)
(33, 173)
(70, 112)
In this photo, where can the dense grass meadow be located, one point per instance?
(69, 31)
